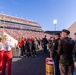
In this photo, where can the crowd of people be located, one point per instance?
(63, 52)
(17, 33)
(16, 26)
(18, 20)
(27, 46)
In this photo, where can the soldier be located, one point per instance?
(45, 42)
(65, 48)
(74, 59)
(55, 55)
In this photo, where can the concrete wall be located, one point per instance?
(72, 30)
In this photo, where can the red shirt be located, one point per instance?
(32, 39)
(23, 41)
(19, 44)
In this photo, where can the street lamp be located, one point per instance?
(55, 22)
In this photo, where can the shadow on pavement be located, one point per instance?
(30, 66)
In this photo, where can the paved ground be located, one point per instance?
(30, 66)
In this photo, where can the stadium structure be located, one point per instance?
(17, 27)
(72, 30)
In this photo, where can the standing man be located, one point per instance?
(28, 47)
(45, 42)
(65, 48)
(33, 48)
(22, 46)
(55, 55)
(74, 59)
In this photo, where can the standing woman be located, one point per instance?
(7, 56)
(1, 54)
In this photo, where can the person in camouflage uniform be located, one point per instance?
(65, 48)
(55, 55)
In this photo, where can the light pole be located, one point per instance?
(55, 23)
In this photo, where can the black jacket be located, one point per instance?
(44, 41)
(55, 48)
(27, 45)
(65, 48)
(33, 46)
(74, 53)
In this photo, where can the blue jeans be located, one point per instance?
(56, 66)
